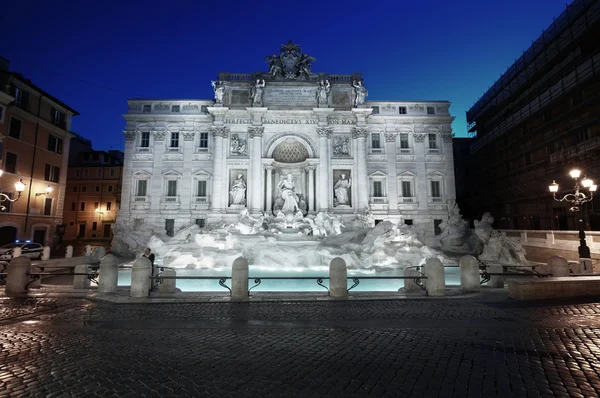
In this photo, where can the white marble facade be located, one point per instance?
(190, 161)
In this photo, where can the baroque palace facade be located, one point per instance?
(264, 134)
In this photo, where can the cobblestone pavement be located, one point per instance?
(459, 347)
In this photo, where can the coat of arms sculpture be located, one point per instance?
(291, 63)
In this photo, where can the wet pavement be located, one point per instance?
(468, 346)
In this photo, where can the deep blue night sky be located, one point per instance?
(96, 55)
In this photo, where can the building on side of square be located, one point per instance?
(203, 161)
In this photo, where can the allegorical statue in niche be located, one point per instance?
(323, 92)
(238, 145)
(361, 92)
(238, 191)
(256, 94)
(219, 90)
(287, 191)
(342, 190)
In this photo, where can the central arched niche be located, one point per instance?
(290, 151)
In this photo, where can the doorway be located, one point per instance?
(39, 236)
(107, 230)
(81, 231)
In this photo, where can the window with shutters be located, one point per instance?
(48, 207)
(14, 130)
(10, 163)
(52, 173)
(55, 144)
(58, 118)
(18, 94)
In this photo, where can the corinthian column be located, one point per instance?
(269, 193)
(392, 183)
(219, 179)
(256, 171)
(311, 187)
(360, 135)
(324, 135)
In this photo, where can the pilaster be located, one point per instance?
(420, 165)
(269, 193)
(155, 190)
(392, 183)
(126, 177)
(187, 189)
(256, 171)
(360, 135)
(219, 178)
(324, 167)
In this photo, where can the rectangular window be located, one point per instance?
(201, 188)
(406, 191)
(48, 207)
(430, 110)
(141, 187)
(85, 172)
(175, 108)
(94, 226)
(203, 140)
(145, 142)
(170, 226)
(375, 141)
(18, 94)
(99, 172)
(52, 173)
(112, 172)
(14, 129)
(73, 206)
(74, 188)
(403, 141)
(402, 110)
(84, 188)
(377, 189)
(96, 206)
(10, 164)
(108, 206)
(97, 188)
(172, 188)
(174, 140)
(82, 206)
(436, 191)
(55, 144)
(109, 188)
(147, 109)
(58, 118)
(432, 141)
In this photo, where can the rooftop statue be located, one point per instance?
(361, 92)
(219, 90)
(290, 63)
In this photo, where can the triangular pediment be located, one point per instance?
(142, 173)
(407, 174)
(378, 174)
(202, 174)
(171, 173)
(436, 174)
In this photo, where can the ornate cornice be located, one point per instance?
(188, 136)
(390, 137)
(158, 135)
(324, 132)
(256, 131)
(419, 137)
(219, 131)
(359, 132)
(129, 135)
(447, 137)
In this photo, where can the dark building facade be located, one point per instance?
(535, 124)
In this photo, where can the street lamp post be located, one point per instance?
(576, 199)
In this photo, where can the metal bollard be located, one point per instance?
(436, 280)
(559, 266)
(140, 277)
(469, 274)
(81, 281)
(109, 274)
(338, 278)
(239, 279)
(17, 277)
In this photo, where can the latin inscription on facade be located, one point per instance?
(300, 96)
(288, 121)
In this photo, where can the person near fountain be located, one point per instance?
(341, 189)
(287, 191)
(238, 191)
(150, 256)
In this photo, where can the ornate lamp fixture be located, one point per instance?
(576, 199)
(19, 187)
